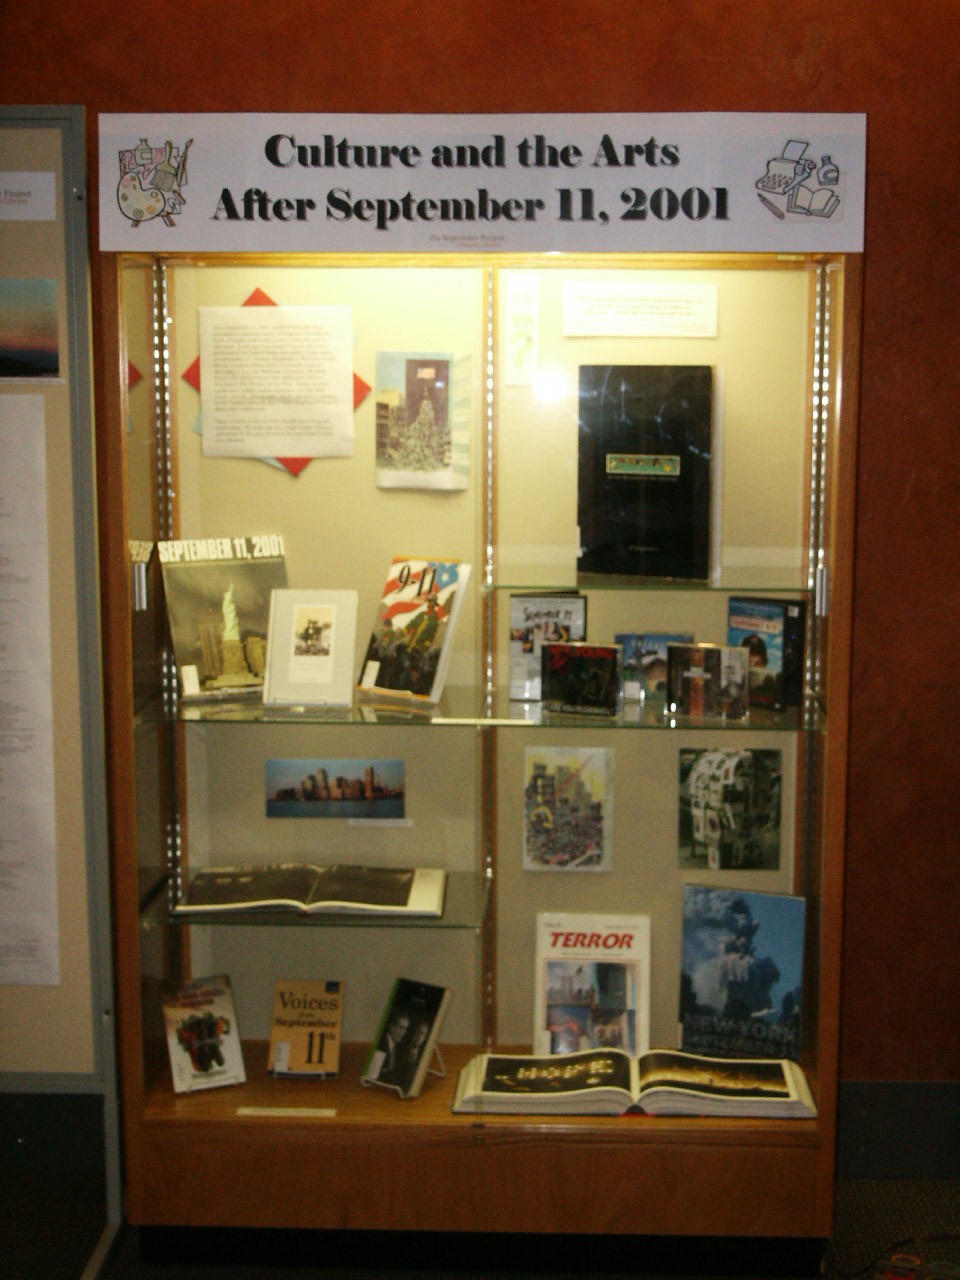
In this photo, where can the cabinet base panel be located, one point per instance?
(493, 1254)
(258, 1156)
(558, 1186)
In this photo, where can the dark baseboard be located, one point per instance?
(51, 1133)
(899, 1129)
(420, 1253)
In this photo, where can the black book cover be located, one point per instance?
(643, 494)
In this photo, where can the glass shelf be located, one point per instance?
(746, 581)
(646, 715)
(466, 708)
(464, 907)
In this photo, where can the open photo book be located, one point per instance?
(295, 886)
(610, 1082)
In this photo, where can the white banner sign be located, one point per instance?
(712, 182)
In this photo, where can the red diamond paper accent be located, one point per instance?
(294, 465)
(361, 390)
(259, 299)
(191, 375)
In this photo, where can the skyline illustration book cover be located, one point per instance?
(568, 808)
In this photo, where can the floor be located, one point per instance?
(49, 1232)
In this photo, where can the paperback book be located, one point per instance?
(537, 618)
(644, 470)
(707, 680)
(645, 662)
(582, 679)
(611, 1082)
(406, 1038)
(303, 887)
(773, 633)
(591, 983)
(202, 1036)
(305, 1033)
(741, 973)
(412, 640)
(310, 648)
(217, 593)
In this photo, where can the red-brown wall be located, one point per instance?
(895, 60)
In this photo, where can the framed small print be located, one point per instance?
(310, 648)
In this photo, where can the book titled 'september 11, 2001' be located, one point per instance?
(217, 593)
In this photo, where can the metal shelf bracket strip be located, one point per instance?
(165, 495)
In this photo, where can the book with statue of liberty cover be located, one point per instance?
(217, 593)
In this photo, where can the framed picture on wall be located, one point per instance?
(568, 809)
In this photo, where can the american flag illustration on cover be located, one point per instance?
(409, 650)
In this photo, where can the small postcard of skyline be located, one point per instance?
(335, 788)
(29, 340)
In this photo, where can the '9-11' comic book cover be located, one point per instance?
(409, 651)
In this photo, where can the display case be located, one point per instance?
(527, 342)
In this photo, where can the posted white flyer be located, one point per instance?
(277, 382)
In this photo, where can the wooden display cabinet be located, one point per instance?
(186, 784)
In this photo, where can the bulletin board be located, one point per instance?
(55, 980)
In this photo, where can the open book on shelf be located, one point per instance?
(302, 887)
(610, 1082)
